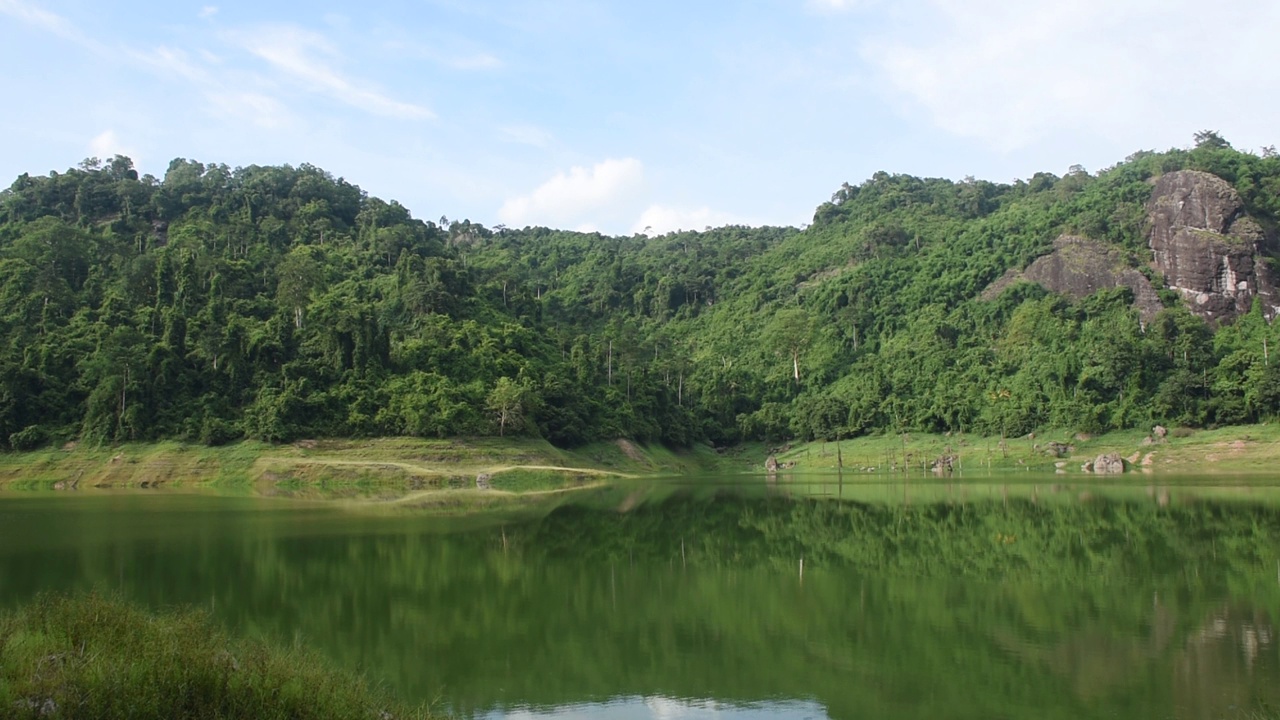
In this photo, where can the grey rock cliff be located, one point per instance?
(1079, 267)
(1208, 249)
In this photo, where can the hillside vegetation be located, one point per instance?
(278, 303)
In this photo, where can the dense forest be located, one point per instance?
(277, 302)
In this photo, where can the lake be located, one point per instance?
(724, 598)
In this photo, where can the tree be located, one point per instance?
(507, 402)
(1211, 139)
(791, 329)
(298, 274)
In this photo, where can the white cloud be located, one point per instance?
(663, 219)
(106, 145)
(581, 197)
(303, 55)
(208, 11)
(1009, 72)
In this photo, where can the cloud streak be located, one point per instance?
(304, 55)
(48, 22)
(227, 97)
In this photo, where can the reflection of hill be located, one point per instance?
(1103, 608)
(1001, 537)
(1232, 655)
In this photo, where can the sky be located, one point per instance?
(625, 117)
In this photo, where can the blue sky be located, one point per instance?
(622, 116)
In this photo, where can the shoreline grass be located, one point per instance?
(95, 656)
(1242, 449)
(346, 466)
(389, 469)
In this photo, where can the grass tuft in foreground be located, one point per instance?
(92, 656)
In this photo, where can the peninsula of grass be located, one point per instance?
(342, 467)
(92, 656)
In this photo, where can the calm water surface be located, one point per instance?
(702, 600)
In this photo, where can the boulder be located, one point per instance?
(1208, 249)
(1058, 450)
(1109, 464)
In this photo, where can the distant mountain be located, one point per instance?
(280, 302)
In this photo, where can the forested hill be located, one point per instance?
(280, 302)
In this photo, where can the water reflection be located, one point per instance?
(916, 600)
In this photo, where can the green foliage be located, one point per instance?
(28, 438)
(96, 657)
(507, 402)
(276, 303)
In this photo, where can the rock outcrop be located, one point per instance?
(1079, 267)
(1208, 249)
(1105, 464)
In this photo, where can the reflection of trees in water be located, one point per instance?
(1229, 662)
(1221, 663)
(1011, 536)
(1002, 608)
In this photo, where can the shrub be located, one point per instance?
(29, 438)
(98, 657)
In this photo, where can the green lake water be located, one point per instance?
(725, 599)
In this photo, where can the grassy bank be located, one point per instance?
(391, 468)
(1238, 449)
(354, 467)
(96, 657)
